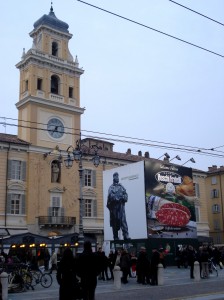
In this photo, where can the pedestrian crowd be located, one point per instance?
(187, 255)
(78, 275)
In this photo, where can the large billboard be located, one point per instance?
(124, 202)
(149, 200)
(169, 195)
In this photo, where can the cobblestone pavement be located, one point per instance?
(177, 286)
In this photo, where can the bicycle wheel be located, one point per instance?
(215, 271)
(35, 278)
(46, 280)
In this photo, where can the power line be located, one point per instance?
(131, 140)
(140, 24)
(196, 12)
(198, 149)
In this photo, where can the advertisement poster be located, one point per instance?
(124, 202)
(170, 196)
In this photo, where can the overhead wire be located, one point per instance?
(196, 12)
(124, 139)
(156, 30)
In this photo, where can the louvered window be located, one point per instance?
(17, 170)
(90, 208)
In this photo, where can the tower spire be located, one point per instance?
(51, 10)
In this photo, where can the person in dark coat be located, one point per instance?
(155, 260)
(111, 259)
(143, 267)
(66, 275)
(191, 258)
(125, 265)
(88, 270)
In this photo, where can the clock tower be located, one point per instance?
(49, 99)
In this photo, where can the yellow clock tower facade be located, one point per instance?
(49, 100)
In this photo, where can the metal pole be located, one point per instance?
(81, 235)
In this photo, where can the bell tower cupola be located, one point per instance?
(49, 98)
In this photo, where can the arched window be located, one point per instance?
(54, 49)
(54, 84)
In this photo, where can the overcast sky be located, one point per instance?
(137, 83)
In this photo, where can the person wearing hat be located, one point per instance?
(143, 267)
(117, 197)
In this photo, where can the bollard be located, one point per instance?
(160, 274)
(117, 277)
(4, 282)
(197, 275)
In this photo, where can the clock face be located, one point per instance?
(55, 128)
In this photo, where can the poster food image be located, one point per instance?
(170, 197)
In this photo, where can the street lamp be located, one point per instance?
(177, 157)
(191, 159)
(76, 154)
(166, 156)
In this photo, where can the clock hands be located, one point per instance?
(55, 129)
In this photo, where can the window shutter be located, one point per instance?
(217, 193)
(23, 171)
(197, 190)
(83, 177)
(62, 211)
(10, 169)
(8, 208)
(23, 205)
(56, 201)
(212, 193)
(50, 211)
(94, 178)
(94, 208)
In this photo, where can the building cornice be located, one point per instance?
(49, 103)
(42, 59)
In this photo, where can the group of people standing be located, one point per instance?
(187, 255)
(85, 266)
(81, 273)
(140, 266)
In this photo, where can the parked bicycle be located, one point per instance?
(42, 277)
(19, 279)
(212, 268)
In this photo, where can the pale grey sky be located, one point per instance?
(137, 83)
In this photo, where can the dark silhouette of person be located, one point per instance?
(143, 267)
(117, 197)
(66, 275)
(155, 260)
(88, 268)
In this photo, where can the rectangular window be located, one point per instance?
(90, 209)
(217, 239)
(214, 193)
(214, 180)
(216, 225)
(215, 208)
(89, 178)
(16, 204)
(70, 92)
(56, 209)
(17, 170)
(197, 190)
(26, 85)
(197, 214)
(39, 84)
